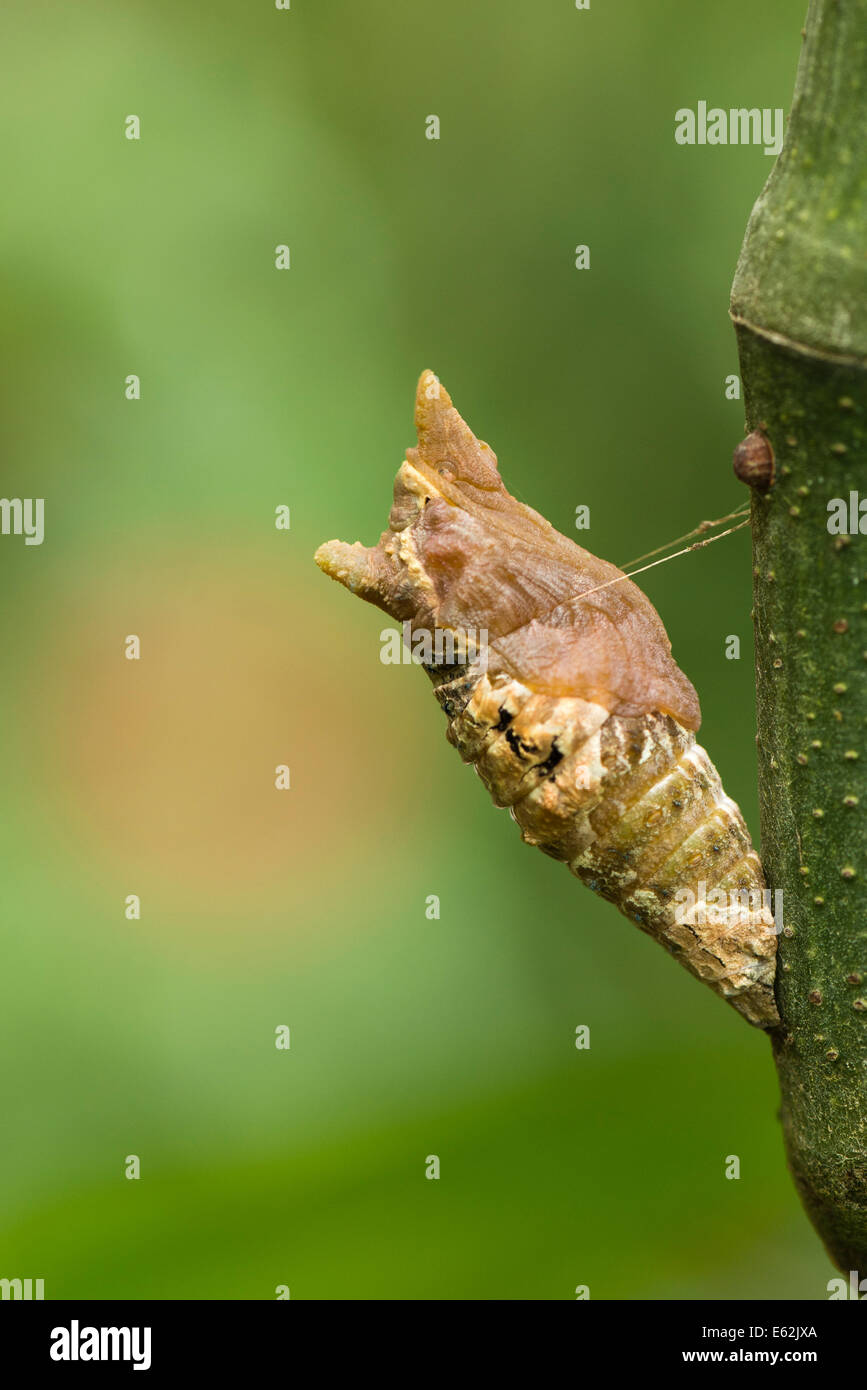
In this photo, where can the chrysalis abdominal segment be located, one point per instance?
(578, 720)
(637, 811)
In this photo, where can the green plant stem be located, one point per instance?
(799, 305)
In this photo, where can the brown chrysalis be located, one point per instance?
(559, 686)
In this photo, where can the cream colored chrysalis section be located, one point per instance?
(636, 809)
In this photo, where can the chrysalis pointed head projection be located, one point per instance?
(462, 554)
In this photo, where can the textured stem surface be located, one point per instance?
(799, 304)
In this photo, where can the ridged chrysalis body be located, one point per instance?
(559, 686)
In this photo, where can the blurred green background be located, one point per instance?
(262, 387)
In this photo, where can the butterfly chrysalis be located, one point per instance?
(559, 686)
